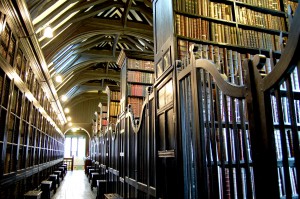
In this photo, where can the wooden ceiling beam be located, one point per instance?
(90, 45)
(96, 10)
(78, 79)
(102, 97)
(38, 8)
(91, 28)
(53, 14)
(116, 40)
(126, 11)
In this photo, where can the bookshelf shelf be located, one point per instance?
(223, 21)
(227, 33)
(113, 104)
(135, 78)
(30, 140)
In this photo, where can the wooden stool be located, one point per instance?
(58, 174)
(62, 169)
(95, 177)
(112, 196)
(46, 189)
(33, 195)
(90, 173)
(87, 170)
(53, 179)
(101, 188)
(65, 168)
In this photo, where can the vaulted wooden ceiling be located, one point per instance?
(88, 36)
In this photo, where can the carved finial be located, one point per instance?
(259, 61)
(149, 89)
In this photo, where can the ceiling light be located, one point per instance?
(48, 32)
(70, 124)
(64, 98)
(58, 79)
(69, 118)
(67, 110)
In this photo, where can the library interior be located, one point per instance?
(145, 99)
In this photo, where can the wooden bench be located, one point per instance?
(46, 189)
(53, 179)
(112, 196)
(58, 174)
(101, 188)
(33, 195)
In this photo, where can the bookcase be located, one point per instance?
(31, 143)
(113, 103)
(102, 118)
(137, 72)
(227, 33)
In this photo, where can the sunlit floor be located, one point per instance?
(75, 186)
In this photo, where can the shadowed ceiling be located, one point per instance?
(88, 36)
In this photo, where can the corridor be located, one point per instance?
(75, 186)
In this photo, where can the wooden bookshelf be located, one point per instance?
(227, 33)
(30, 137)
(113, 103)
(137, 73)
(102, 118)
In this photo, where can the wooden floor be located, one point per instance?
(75, 186)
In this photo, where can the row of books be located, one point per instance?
(205, 8)
(259, 40)
(104, 122)
(270, 4)
(280, 145)
(140, 64)
(199, 29)
(221, 33)
(192, 27)
(264, 20)
(113, 120)
(114, 108)
(229, 62)
(294, 81)
(291, 3)
(137, 90)
(285, 110)
(231, 145)
(225, 181)
(136, 76)
(221, 10)
(282, 181)
(136, 105)
(115, 95)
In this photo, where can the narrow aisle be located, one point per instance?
(75, 186)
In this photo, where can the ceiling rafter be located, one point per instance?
(95, 10)
(82, 64)
(126, 11)
(93, 27)
(60, 62)
(56, 12)
(90, 44)
(39, 8)
(116, 40)
(79, 79)
(102, 97)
